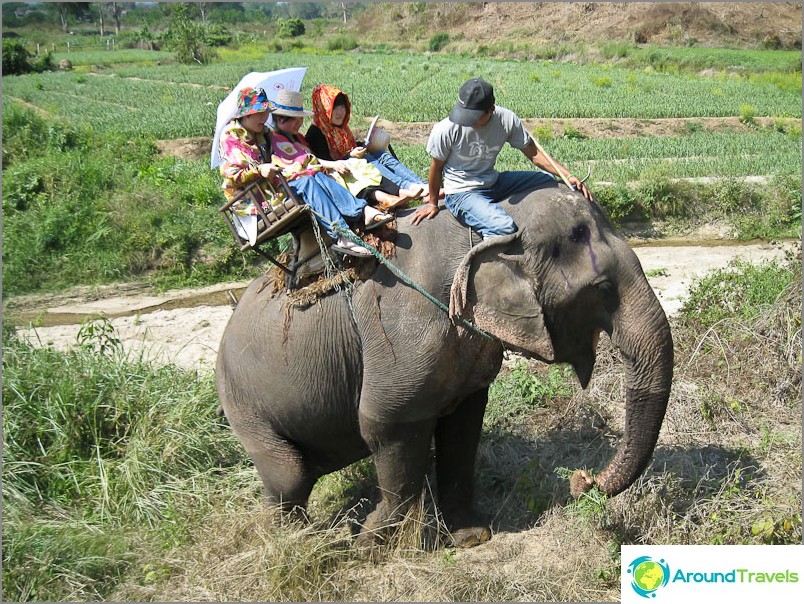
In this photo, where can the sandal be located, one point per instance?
(344, 246)
(379, 219)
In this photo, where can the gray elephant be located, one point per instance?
(390, 373)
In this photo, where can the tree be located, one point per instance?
(187, 37)
(117, 9)
(67, 11)
(101, 8)
(304, 10)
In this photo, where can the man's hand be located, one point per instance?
(358, 152)
(426, 211)
(579, 186)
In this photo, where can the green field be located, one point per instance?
(78, 146)
(402, 88)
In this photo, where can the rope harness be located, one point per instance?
(351, 236)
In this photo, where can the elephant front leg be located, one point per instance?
(457, 437)
(401, 452)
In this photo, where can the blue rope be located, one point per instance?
(399, 273)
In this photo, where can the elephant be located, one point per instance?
(388, 372)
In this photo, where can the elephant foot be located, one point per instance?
(466, 528)
(468, 537)
(580, 483)
(279, 514)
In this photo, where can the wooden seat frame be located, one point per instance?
(291, 215)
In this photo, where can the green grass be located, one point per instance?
(102, 454)
(81, 208)
(680, 59)
(109, 58)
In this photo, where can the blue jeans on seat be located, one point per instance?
(393, 169)
(329, 200)
(479, 209)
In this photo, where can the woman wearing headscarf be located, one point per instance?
(331, 138)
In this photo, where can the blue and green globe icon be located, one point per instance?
(648, 575)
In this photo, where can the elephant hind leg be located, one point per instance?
(287, 480)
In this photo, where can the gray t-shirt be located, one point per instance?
(470, 153)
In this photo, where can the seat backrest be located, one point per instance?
(278, 210)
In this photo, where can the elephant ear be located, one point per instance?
(491, 289)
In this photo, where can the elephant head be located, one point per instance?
(548, 290)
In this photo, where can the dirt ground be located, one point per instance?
(700, 23)
(185, 326)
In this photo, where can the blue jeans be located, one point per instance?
(479, 209)
(330, 201)
(393, 169)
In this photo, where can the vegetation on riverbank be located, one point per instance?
(120, 483)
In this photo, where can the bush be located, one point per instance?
(342, 42)
(16, 58)
(621, 204)
(438, 41)
(218, 35)
(290, 28)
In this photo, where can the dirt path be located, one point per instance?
(185, 326)
(416, 133)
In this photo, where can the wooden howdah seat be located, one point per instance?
(289, 215)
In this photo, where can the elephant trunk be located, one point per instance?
(641, 332)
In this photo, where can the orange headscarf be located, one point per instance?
(339, 138)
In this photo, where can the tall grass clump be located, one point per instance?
(103, 455)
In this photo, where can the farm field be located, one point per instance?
(120, 483)
(404, 88)
(176, 101)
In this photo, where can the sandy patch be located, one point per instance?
(185, 326)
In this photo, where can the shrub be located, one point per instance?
(290, 28)
(747, 114)
(16, 58)
(438, 41)
(620, 203)
(543, 132)
(342, 42)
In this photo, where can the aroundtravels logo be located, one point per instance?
(686, 574)
(648, 575)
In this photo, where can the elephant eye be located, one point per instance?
(580, 234)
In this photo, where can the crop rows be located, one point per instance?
(630, 159)
(410, 88)
(419, 88)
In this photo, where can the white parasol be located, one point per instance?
(270, 81)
